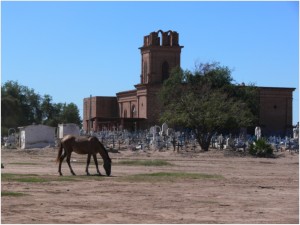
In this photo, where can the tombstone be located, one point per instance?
(257, 132)
(220, 141)
(164, 128)
(170, 131)
(157, 128)
(227, 143)
(296, 132)
(153, 130)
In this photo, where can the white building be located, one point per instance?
(36, 136)
(69, 128)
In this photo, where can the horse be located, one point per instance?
(83, 145)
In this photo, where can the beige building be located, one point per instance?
(139, 108)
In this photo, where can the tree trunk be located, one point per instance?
(204, 140)
(205, 145)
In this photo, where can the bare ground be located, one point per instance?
(251, 190)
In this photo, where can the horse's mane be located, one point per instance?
(102, 146)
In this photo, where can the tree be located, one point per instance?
(207, 101)
(10, 113)
(11, 106)
(51, 113)
(26, 104)
(70, 114)
(31, 106)
(21, 106)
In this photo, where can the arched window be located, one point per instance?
(165, 71)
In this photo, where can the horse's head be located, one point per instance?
(107, 166)
(104, 154)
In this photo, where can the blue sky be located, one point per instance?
(70, 50)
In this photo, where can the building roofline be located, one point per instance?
(126, 92)
(283, 88)
(101, 97)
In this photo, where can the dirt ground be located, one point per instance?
(247, 190)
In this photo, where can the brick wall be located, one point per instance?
(102, 107)
(275, 114)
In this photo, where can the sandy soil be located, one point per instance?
(252, 190)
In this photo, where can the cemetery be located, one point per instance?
(164, 138)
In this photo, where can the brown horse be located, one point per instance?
(83, 145)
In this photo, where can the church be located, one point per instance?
(139, 108)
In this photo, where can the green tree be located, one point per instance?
(48, 110)
(11, 106)
(21, 106)
(207, 101)
(31, 106)
(56, 113)
(26, 104)
(70, 114)
(10, 113)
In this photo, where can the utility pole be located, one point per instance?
(90, 116)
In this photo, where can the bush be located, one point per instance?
(261, 148)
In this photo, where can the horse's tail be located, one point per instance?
(59, 152)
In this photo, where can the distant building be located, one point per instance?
(67, 129)
(276, 110)
(36, 136)
(139, 108)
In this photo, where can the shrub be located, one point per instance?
(260, 148)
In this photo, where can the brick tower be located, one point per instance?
(160, 53)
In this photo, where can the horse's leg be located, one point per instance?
(87, 164)
(69, 162)
(61, 159)
(96, 163)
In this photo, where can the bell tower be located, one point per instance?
(160, 53)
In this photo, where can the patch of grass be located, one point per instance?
(23, 163)
(34, 178)
(11, 175)
(156, 162)
(170, 176)
(22, 177)
(11, 193)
